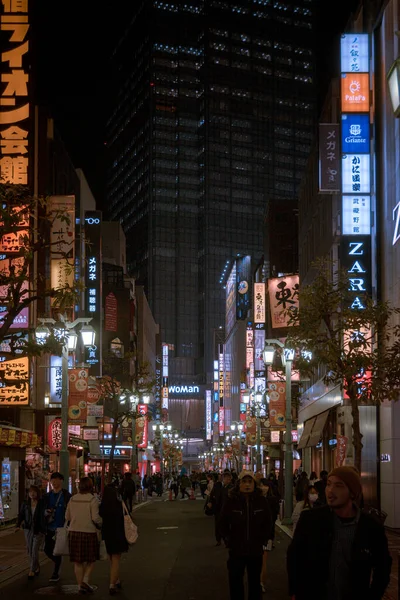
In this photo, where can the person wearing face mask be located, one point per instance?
(310, 496)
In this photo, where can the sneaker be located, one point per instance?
(55, 577)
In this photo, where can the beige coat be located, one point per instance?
(83, 513)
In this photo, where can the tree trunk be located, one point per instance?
(357, 435)
(113, 442)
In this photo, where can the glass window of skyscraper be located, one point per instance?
(214, 115)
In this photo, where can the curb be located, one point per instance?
(285, 529)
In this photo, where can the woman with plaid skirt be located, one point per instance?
(84, 520)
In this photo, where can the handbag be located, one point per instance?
(61, 546)
(209, 512)
(131, 530)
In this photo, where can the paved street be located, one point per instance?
(174, 559)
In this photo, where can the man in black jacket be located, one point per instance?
(346, 549)
(217, 499)
(246, 526)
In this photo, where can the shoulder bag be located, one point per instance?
(131, 530)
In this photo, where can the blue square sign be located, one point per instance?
(355, 134)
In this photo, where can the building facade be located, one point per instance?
(214, 115)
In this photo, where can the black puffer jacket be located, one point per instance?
(312, 545)
(25, 517)
(246, 525)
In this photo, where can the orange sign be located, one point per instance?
(77, 395)
(355, 92)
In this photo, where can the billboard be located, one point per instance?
(230, 301)
(259, 303)
(355, 92)
(355, 133)
(354, 53)
(283, 298)
(15, 113)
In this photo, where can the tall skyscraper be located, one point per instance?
(214, 114)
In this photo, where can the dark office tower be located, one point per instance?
(214, 115)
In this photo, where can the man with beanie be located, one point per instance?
(346, 549)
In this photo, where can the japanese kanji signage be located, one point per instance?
(329, 157)
(15, 108)
(356, 215)
(62, 233)
(55, 379)
(354, 53)
(283, 297)
(356, 174)
(259, 303)
(54, 435)
(93, 286)
(164, 402)
(14, 382)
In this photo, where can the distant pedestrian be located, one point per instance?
(272, 497)
(217, 499)
(320, 486)
(113, 533)
(128, 490)
(310, 497)
(31, 519)
(185, 485)
(313, 478)
(54, 506)
(346, 548)
(203, 484)
(84, 521)
(246, 526)
(301, 486)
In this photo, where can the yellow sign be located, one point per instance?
(355, 92)
(14, 101)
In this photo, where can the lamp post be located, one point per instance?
(66, 330)
(237, 426)
(287, 360)
(161, 427)
(255, 397)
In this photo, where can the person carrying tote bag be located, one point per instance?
(113, 533)
(131, 530)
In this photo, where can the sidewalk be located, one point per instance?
(394, 548)
(14, 561)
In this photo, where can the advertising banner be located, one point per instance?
(14, 377)
(251, 430)
(283, 297)
(329, 158)
(54, 435)
(230, 301)
(341, 449)
(265, 430)
(126, 431)
(277, 403)
(55, 379)
(77, 395)
(355, 92)
(259, 303)
(243, 286)
(142, 427)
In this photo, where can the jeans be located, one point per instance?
(236, 568)
(49, 543)
(33, 543)
(128, 499)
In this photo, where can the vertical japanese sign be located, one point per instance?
(329, 157)
(230, 300)
(221, 378)
(221, 420)
(93, 276)
(259, 303)
(15, 108)
(356, 165)
(110, 312)
(62, 241)
(277, 403)
(164, 405)
(142, 427)
(158, 384)
(55, 379)
(54, 435)
(208, 415)
(14, 381)
(283, 298)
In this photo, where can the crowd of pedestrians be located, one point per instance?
(346, 546)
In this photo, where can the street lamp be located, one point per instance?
(287, 360)
(237, 426)
(161, 427)
(70, 340)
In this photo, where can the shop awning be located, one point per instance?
(308, 425)
(318, 429)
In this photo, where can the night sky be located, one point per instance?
(75, 38)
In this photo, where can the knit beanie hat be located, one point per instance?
(351, 477)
